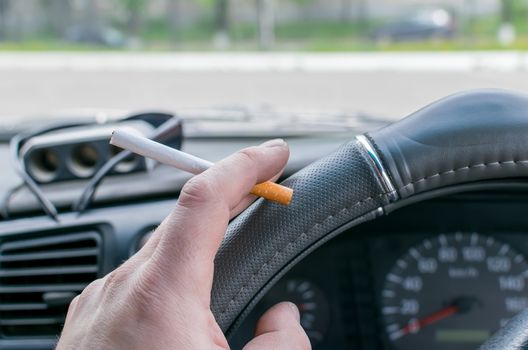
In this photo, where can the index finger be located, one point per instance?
(190, 236)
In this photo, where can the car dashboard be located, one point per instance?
(442, 273)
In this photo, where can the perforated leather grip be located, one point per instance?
(265, 239)
(514, 336)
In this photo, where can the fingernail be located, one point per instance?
(273, 143)
(295, 311)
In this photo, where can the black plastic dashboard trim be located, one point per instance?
(492, 185)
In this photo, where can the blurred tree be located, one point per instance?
(135, 10)
(4, 6)
(59, 15)
(90, 23)
(362, 15)
(469, 23)
(506, 11)
(357, 11)
(222, 24)
(344, 10)
(266, 24)
(520, 10)
(506, 34)
(303, 2)
(174, 17)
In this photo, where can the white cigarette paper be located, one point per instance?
(159, 152)
(194, 165)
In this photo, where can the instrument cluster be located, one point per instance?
(410, 282)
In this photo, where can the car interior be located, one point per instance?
(404, 232)
(453, 253)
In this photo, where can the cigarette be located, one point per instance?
(189, 163)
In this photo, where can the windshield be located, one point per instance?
(378, 58)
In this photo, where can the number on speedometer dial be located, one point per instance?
(452, 292)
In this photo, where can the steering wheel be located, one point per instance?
(461, 142)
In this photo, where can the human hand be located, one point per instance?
(160, 297)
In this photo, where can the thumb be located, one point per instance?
(279, 328)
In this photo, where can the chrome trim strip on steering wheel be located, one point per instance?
(378, 166)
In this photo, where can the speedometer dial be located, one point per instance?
(453, 291)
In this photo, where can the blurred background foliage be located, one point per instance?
(305, 25)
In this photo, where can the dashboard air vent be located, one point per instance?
(39, 275)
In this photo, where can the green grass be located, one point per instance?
(156, 35)
(49, 45)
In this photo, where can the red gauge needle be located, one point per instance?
(432, 318)
(458, 306)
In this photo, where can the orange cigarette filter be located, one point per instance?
(181, 160)
(273, 192)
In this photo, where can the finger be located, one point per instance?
(145, 252)
(247, 201)
(279, 328)
(191, 234)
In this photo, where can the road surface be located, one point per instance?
(32, 86)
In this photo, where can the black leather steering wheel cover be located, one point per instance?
(513, 336)
(328, 194)
(460, 140)
(466, 137)
(238, 321)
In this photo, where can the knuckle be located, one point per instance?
(147, 291)
(196, 191)
(145, 286)
(89, 292)
(102, 287)
(74, 302)
(116, 279)
(250, 155)
(93, 287)
(110, 281)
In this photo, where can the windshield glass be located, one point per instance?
(378, 58)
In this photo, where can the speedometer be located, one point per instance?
(452, 291)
